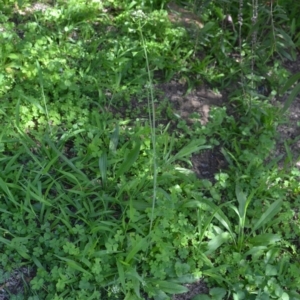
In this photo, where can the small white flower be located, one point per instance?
(139, 14)
(115, 289)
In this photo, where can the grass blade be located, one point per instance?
(129, 160)
(291, 98)
(114, 140)
(290, 82)
(192, 147)
(74, 265)
(268, 214)
(137, 247)
(103, 167)
(121, 274)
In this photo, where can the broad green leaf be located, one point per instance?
(217, 241)
(160, 295)
(264, 239)
(14, 56)
(23, 253)
(170, 287)
(217, 293)
(268, 214)
(292, 80)
(263, 296)
(271, 270)
(284, 296)
(207, 27)
(256, 252)
(129, 160)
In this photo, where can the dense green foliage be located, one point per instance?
(98, 198)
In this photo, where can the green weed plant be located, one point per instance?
(98, 196)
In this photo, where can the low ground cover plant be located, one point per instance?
(98, 196)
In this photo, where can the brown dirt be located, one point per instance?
(290, 132)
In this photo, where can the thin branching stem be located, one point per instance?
(152, 125)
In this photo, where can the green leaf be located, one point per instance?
(256, 252)
(271, 270)
(66, 160)
(129, 160)
(73, 264)
(291, 98)
(284, 296)
(7, 191)
(215, 210)
(137, 247)
(216, 242)
(268, 214)
(50, 164)
(192, 147)
(264, 239)
(103, 167)
(114, 140)
(242, 199)
(263, 296)
(170, 287)
(121, 274)
(4, 241)
(217, 293)
(201, 297)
